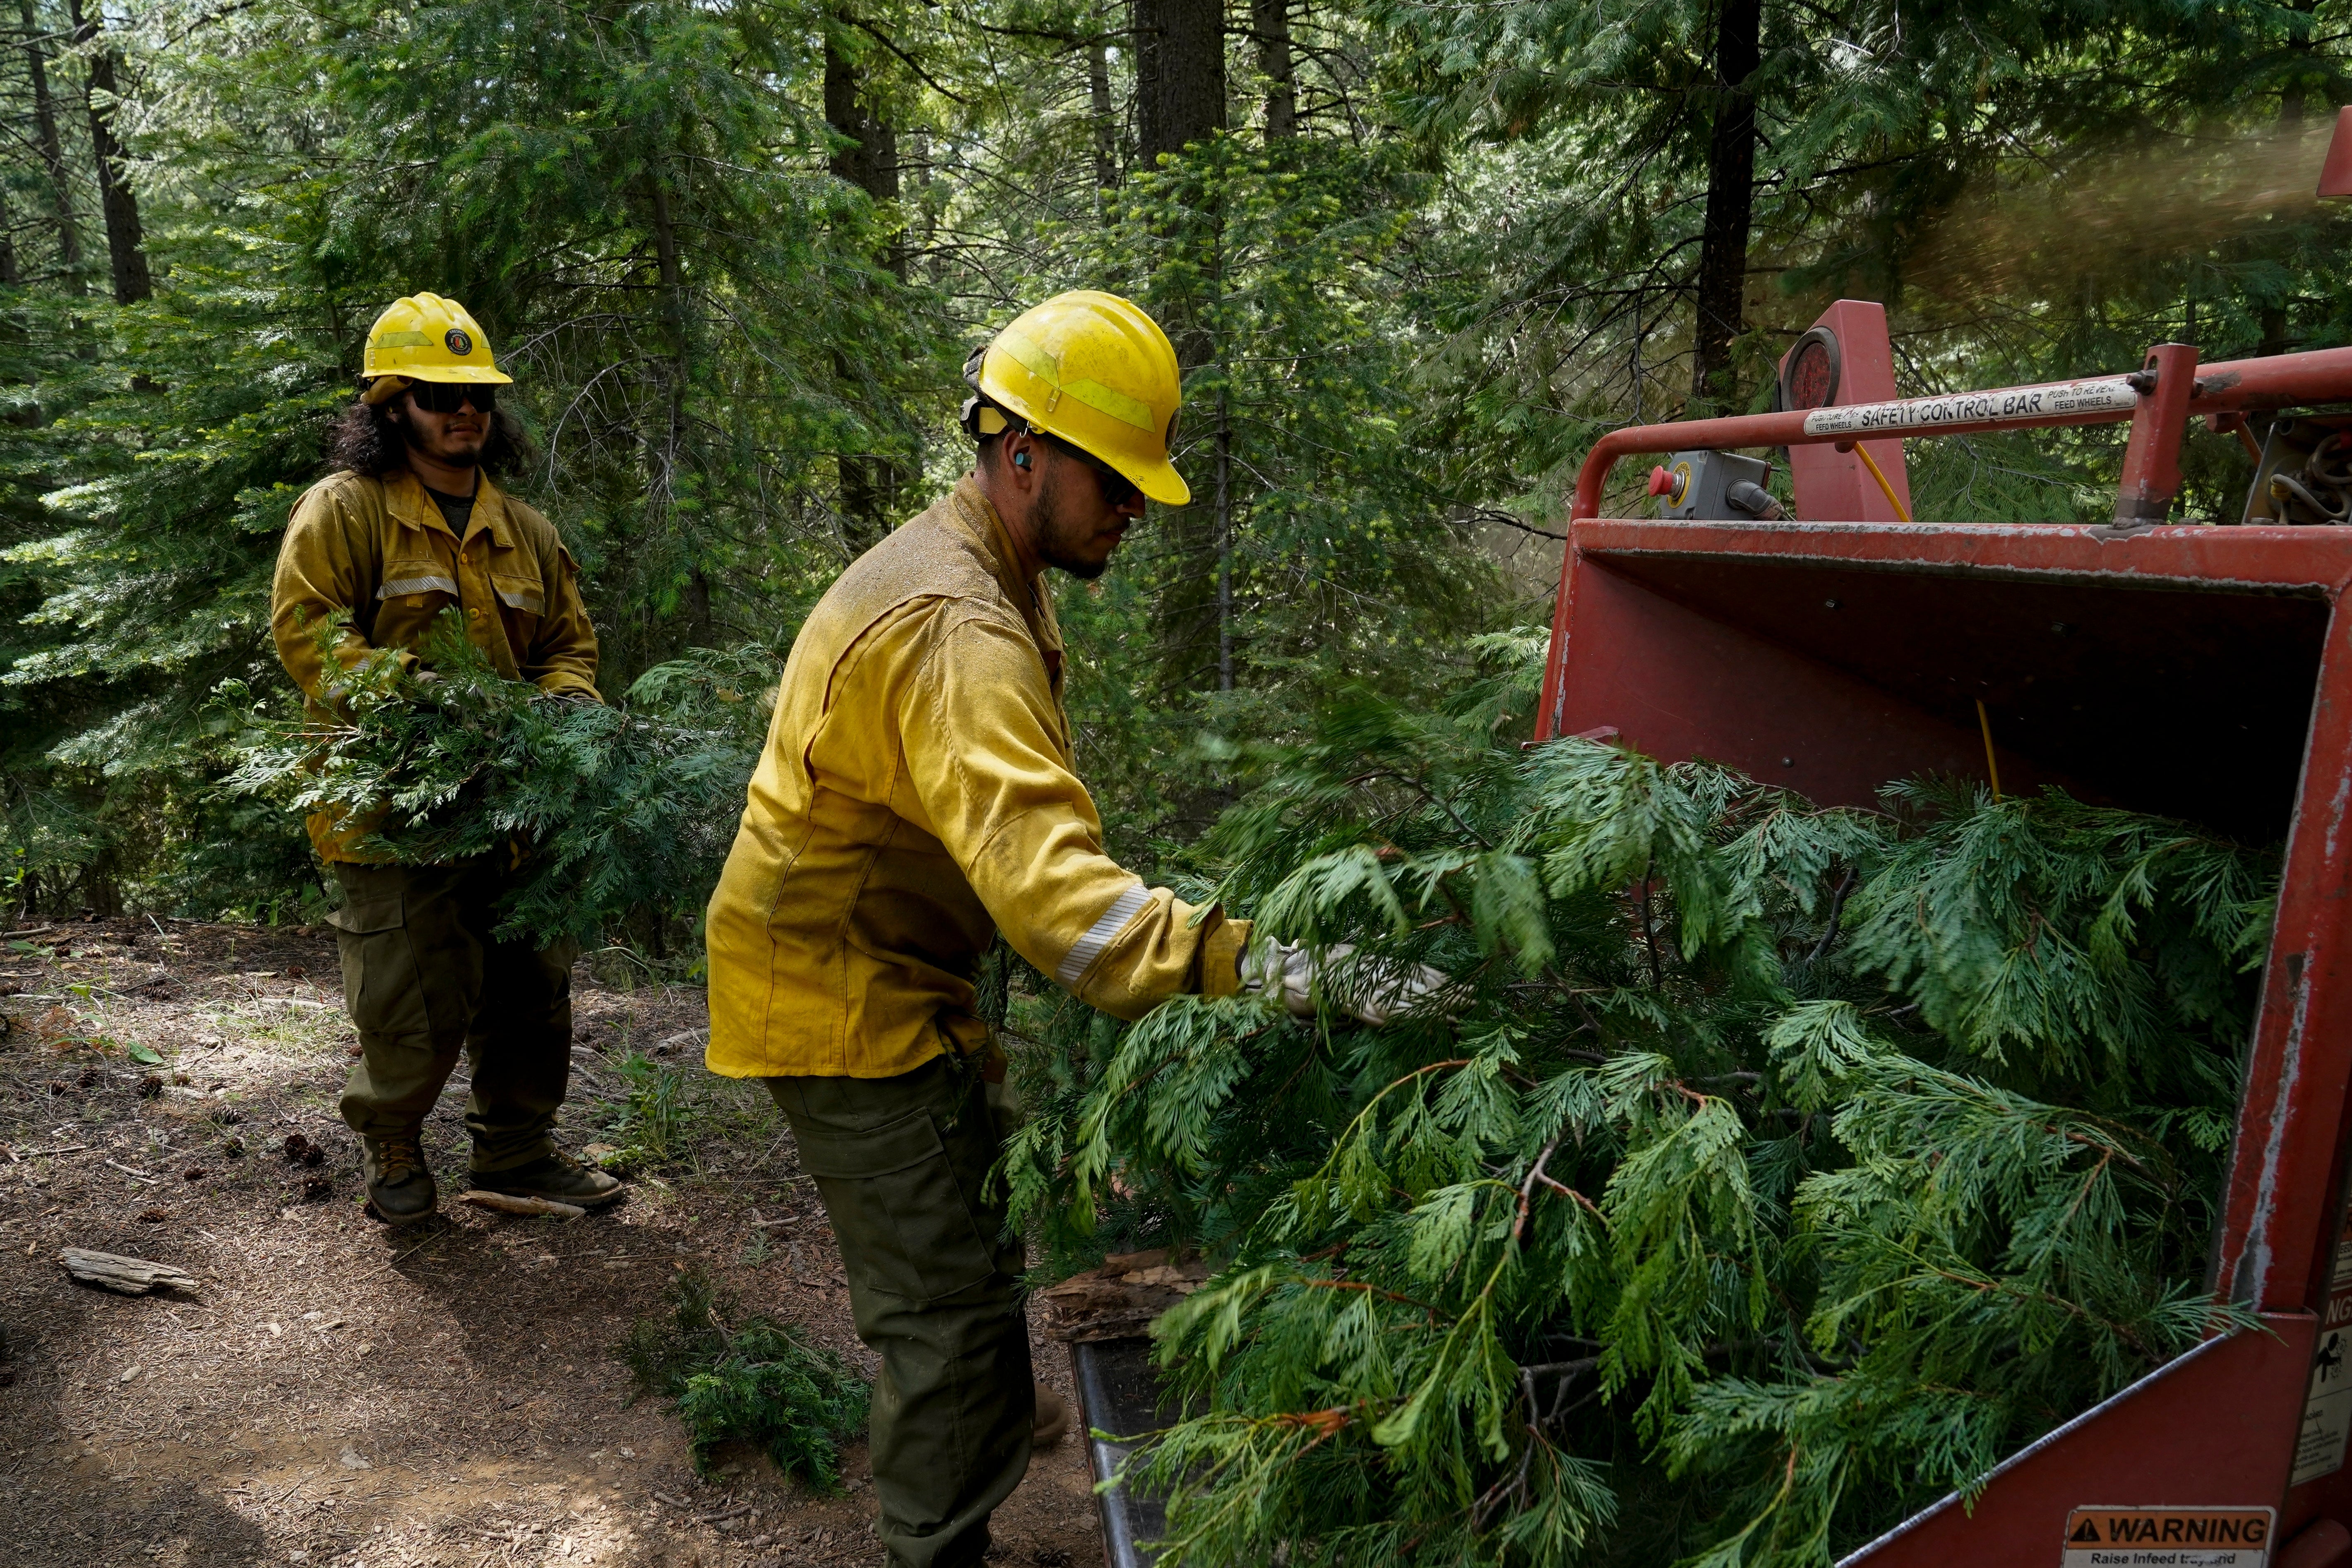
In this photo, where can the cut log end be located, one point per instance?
(124, 1276)
(506, 1204)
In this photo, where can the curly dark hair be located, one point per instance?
(366, 439)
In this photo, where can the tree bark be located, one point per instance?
(11, 274)
(53, 151)
(1180, 74)
(126, 244)
(1224, 545)
(1270, 20)
(871, 161)
(870, 486)
(662, 477)
(1730, 201)
(1106, 124)
(124, 1276)
(671, 275)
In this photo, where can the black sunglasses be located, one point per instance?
(448, 397)
(1118, 489)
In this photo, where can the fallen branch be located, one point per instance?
(507, 1203)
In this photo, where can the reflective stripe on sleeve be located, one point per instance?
(1099, 936)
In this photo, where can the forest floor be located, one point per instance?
(338, 1394)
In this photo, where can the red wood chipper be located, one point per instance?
(2202, 671)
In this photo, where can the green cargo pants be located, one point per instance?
(934, 1288)
(424, 978)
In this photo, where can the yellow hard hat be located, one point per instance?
(1094, 370)
(426, 338)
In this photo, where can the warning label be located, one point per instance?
(2017, 402)
(2328, 1404)
(2169, 1537)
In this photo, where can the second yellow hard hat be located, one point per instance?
(427, 338)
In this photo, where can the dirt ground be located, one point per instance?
(338, 1394)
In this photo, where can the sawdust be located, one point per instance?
(337, 1394)
(2112, 213)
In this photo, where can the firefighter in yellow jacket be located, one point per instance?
(410, 526)
(916, 796)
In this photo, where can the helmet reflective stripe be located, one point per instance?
(1093, 394)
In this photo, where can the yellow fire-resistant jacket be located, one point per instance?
(915, 796)
(382, 549)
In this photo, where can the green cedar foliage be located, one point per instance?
(1770, 1170)
(621, 812)
(750, 1379)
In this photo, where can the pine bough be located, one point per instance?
(1770, 1170)
(609, 812)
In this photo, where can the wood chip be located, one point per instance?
(505, 1204)
(125, 1276)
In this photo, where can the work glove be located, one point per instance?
(571, 694)
(1374, 994)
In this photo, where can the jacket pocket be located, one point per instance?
(412, 577)
(518, 593)
(524, 605)
(904, 1222)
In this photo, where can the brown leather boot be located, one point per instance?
(556, 1175)
(398, 1185)
(1052, 1420)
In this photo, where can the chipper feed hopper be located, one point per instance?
(2203, 671)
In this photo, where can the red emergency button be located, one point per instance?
(1661, 482)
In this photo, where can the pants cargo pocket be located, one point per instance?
(898, 1211)
(380, 985)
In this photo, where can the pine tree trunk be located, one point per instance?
(662, 479)
(1180, 74)
(11, 273)
(52, 148)
(871, 161)
(1179, 99)
(126, 244)
(1270, 20)
(870, 486)
(1224, 545)
(671, 277)
(1105, 125)
(1730, 201)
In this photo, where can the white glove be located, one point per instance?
(1381, 994)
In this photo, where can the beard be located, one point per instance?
(460, 453)
(1058, 540)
